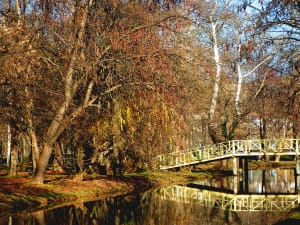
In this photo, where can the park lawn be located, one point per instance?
(18, 193)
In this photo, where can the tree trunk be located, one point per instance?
(239, 84)
(39, 217)
(13, 161)
(42, 164)
(80, 162)
(262, 128)
(35, 150)
(218, 71)
(58, 159)
(213, 134)
(4, 9)
(296, 124)
(8, 144)
(57, 125)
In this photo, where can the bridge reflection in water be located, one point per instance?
(233, 202)
(272, 190)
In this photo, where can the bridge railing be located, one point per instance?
(229, 149)
(178, 158)
(265, 146)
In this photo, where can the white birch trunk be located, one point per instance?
(218, 71)
(241, 78)
(8, 144)
(18, 9)
(239, 84)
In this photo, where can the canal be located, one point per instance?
(267, 197)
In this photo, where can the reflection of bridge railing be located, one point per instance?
(283, 203)
(234, 148)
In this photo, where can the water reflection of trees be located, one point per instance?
(272, 181)
(146, 209)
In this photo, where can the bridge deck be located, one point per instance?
(225, 150)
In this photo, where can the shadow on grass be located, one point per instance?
(17, 197)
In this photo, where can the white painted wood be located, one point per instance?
(226, 150)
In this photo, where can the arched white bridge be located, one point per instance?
(229, 149)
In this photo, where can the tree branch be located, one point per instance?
(261, 86)
(255, 68)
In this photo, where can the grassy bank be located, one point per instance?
(18, 193)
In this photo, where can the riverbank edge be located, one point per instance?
(18, 193)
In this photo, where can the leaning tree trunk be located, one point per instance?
(42, 164)
(57, 125)
(80, 162)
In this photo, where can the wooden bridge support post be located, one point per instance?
(298, 183)
(298, 165)
(245, 176)
(235, 170)
(240, 174)
(297, 173)
(236, 184)
(235, 166)
(241, 166)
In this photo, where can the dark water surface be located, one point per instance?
(204, 202)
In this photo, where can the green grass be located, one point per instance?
(295, 213)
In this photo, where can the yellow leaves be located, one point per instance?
(125, 118)
(100, 131)
(140, 123)
(166, 115)
(128, 114)
(122, 121)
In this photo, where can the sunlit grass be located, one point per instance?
(18, 193)
(296, 213)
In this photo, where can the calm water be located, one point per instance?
(206, 202)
